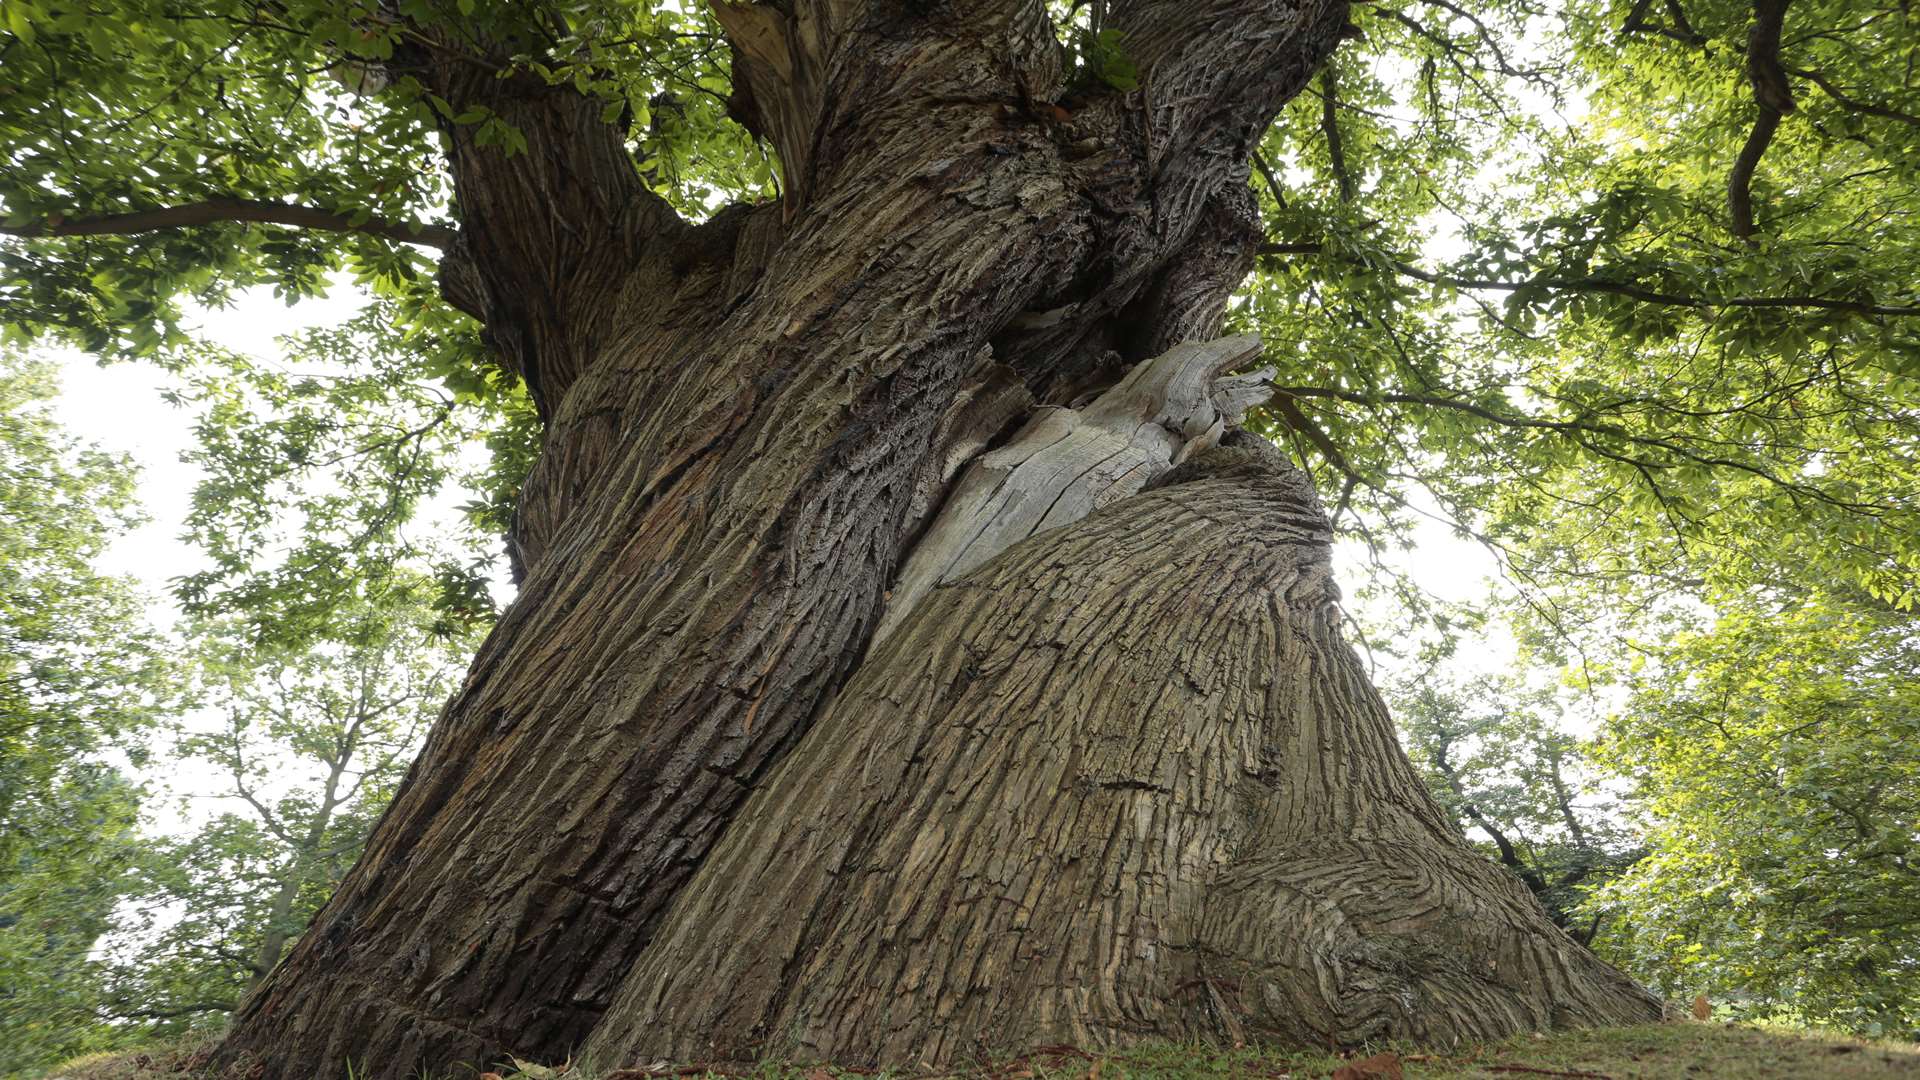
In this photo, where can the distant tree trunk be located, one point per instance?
(751, 423)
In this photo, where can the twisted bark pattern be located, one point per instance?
(742, 420)
(1124, 781)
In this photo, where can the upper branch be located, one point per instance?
(549, 227)
(1330, 127)
(794, 62)
(1581, 431)
(1775, 98)
(1619, 288)
(1681, 31)
(1213, 67)
(209, 211)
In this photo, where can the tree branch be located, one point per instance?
(172, 1013)
(1826, 86)
(1618, 288)
(210, 211)
(1576, 429)
(1508, 856)
(1775, 98)
(1330, 127)
(1681, 31)
(1214, 66)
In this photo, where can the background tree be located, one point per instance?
(1773, 763)
(81, 679)
(59, 899)
(764, 424)
(310, 744)
(1499, 761)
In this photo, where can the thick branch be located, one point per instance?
(550, 229)
(1220, 65)
(1681, 30)
(1330, 127)
(1775, 98)
(210, 211)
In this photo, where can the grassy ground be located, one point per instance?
(1673, 1051)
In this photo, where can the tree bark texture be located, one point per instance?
(1123, 781)
(750, 422)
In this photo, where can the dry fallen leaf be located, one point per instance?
(1702, 1008)
(1377, 1067)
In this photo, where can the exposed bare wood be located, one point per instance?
(1067, 462)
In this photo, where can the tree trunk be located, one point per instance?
(1124, 781)
(749, 423)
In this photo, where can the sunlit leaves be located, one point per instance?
(1774, 761)
(318, 466)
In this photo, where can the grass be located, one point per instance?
(1671, 1051)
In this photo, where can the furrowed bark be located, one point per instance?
(744, 431)
(547, 234)
(1124, 781)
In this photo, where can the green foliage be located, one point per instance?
(1774, 760)
(79, 679)
(308, 742)
(77, 672)
(58, 895)
(317, 464)
(1587, 385)
(1494, 753)
(1102, 56)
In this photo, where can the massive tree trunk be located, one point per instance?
(751, 424)
(1123, 781)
